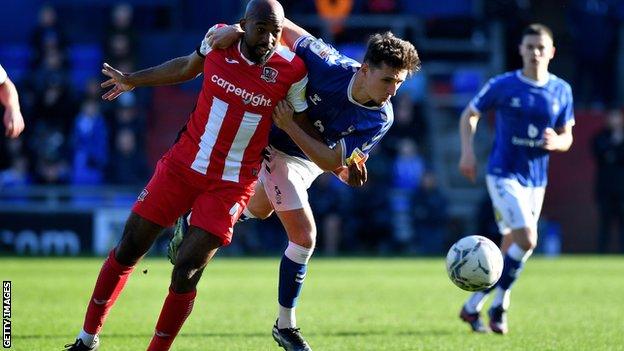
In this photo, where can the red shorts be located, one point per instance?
(173, 191)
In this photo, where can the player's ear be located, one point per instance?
(365, 68)
(242, 23)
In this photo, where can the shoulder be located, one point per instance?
(495, 83)
(504, 78)
(284, 53)
(285, 57)
(565, 86)
(387, 114)
(379, 119)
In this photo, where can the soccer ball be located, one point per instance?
(474, 263)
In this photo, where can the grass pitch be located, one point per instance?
(569, 303)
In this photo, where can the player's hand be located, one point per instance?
(224, 37)
(358, 174)
(118, 81)
(283, 115)
(355, 175)
(551, 140)
(468, 166)
(13, 122)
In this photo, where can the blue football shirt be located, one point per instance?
(332, 109)
(524, 109)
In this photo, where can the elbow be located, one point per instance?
(189, 70)
(187, 75)
(569, 142)
(567, 145)
(328, 166)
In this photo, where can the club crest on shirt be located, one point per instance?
(269, 74)
(532, 131)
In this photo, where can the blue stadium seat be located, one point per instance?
(15, 58)
(85, 61)
(466, 80)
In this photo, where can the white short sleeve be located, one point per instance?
(296, 95)
(204, 47)
(3, 75)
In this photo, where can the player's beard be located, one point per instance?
(262, 59)
(255, 56)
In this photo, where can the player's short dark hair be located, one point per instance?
(394, 52)
(537, 29)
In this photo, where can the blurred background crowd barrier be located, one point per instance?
(67, 184)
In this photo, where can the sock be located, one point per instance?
(111, 281)
(476, 301)
(292, 273)
(87, 339)
(512, 266)
(502, 298)
(175, 310)
(286, 318)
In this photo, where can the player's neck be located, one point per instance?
(247, 54)
(245, 50)
(536, 74)
(358, 92)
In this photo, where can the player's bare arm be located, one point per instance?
(327, 159)
(355, 174)
(467, 128)
(177, 70)
(291, 32)
(13, 120)
(558, 140)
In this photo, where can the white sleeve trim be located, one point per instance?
(474, 108)
(296, 43)
(296, 95)
(204, 48)
(344, 152)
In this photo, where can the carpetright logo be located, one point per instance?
(248, 97)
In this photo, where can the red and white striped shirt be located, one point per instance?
(230, 125)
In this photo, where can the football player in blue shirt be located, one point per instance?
(349, 112)
(534, 115)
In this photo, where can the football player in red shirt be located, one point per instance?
(212, 167)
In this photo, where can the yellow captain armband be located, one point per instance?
(357, 156)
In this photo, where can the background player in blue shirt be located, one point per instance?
(534, 115)
(349, 113)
